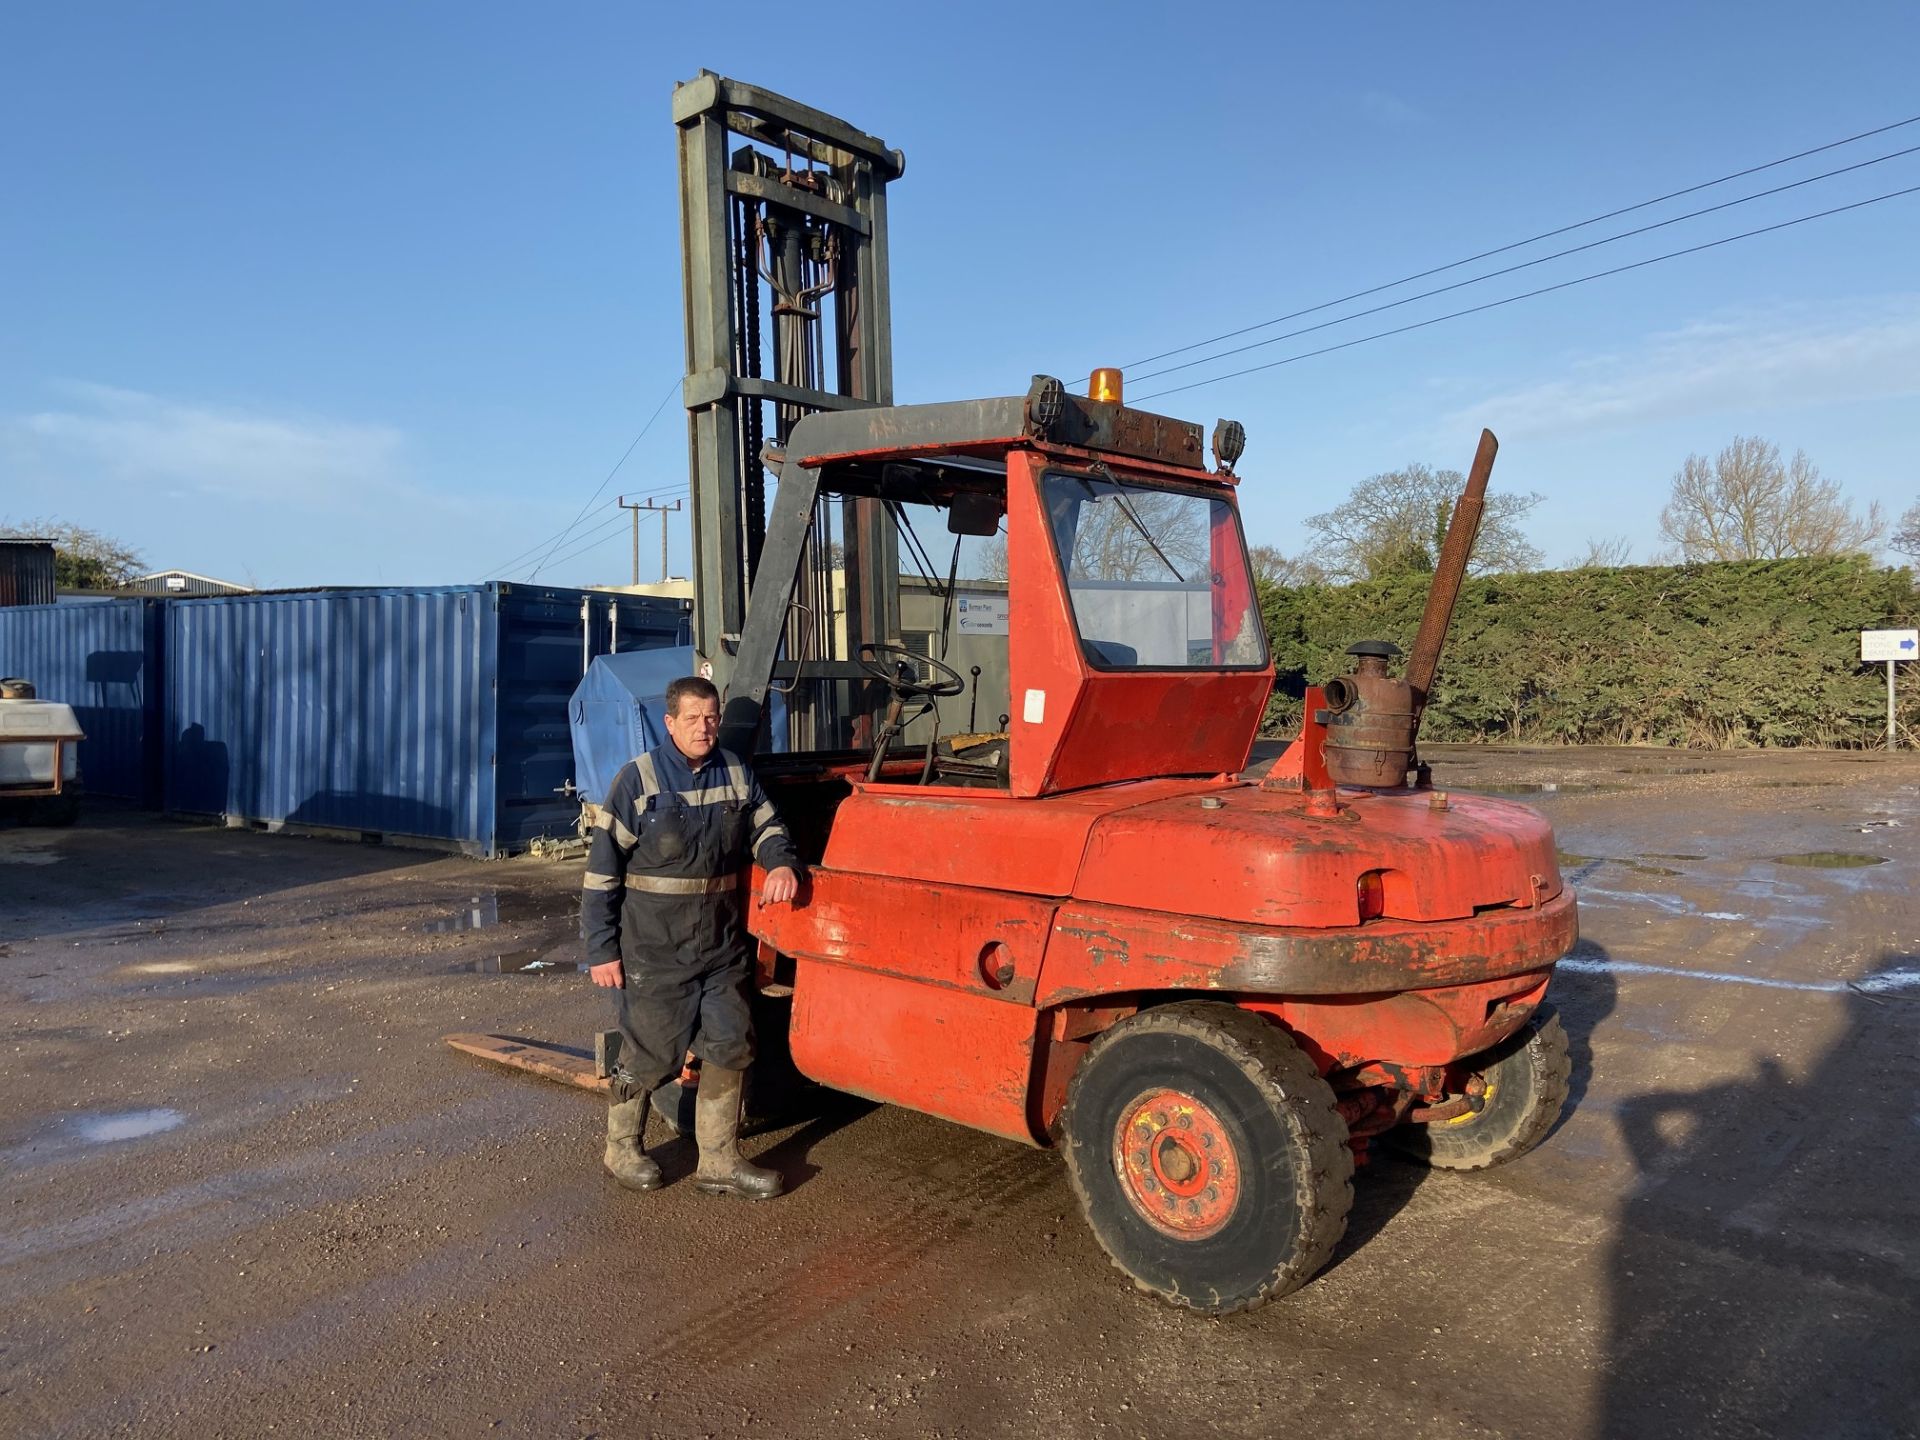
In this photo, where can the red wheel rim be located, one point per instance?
(1176, 1164)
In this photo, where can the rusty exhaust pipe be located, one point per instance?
(1447, 575)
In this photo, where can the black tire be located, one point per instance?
(1274, 1142)
(1526, 1076)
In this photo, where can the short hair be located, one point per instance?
(698, 686)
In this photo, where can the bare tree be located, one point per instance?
(1394, 523)
(1140, 535)
(993, 559)
(83, 559)
(1607, 554)
(1275, 567)
(1906, 534)
(1746, 505)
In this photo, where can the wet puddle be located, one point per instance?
(28, 854)
(515, 962)
(1568, 860)
(1829, 860)
(481, 912)
(131, 1125)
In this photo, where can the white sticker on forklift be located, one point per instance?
(1035, 710)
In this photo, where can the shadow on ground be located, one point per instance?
(1764, 1273)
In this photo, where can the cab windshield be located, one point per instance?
(1157, 576)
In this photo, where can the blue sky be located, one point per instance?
(364, 293)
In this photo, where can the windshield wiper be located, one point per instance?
(1127, 510)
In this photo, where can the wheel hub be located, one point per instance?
(1176, 1164)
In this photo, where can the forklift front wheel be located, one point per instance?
(1525, 1079)
(1208, 1155)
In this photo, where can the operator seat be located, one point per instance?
(982, 760)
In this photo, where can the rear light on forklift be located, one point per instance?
(1105, 385)
(1372, 894)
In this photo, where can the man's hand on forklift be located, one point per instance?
(608, 976)
(782, 885)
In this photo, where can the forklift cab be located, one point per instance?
(1076, 607)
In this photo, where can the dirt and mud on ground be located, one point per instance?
(244, 1189)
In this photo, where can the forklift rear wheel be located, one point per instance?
(1208, 1156)
(1526, 1087)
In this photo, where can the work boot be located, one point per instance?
(716, 1125)
(624, 1159)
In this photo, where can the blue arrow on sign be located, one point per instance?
(1906, 644)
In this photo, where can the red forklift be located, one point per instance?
(1081, 922)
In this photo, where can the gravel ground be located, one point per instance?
(244, 1189)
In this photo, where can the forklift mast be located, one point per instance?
(783, 219)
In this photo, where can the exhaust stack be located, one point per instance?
(1372, 720)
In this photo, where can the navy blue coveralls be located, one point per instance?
(663, 894)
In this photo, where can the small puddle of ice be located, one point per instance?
(132, 1125)
(1901, 982)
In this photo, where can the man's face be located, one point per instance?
(695, 727)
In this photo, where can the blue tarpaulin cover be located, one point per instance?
(617, 712)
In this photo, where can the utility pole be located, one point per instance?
(636, 508)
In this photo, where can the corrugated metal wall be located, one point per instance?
(368, 711)
(432, 713)
(105, 661)
(26, 572)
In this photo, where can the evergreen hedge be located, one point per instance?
(1753, 653)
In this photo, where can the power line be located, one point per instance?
(600, 490)
(592, 539)
(507, 566)
(598, 539)
(1530, 240)
(1527, 264)
(1530, 294)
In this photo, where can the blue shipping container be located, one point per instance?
(104, 660)
(425, 714)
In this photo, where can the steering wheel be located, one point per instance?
(897, 676)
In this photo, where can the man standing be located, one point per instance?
(661, 914)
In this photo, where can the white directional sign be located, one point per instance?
(1889, 645)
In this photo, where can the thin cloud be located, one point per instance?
(234, 454)
(1391, 111)
(1786, 357)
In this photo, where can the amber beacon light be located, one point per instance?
(1105, 385)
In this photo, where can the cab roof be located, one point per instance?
(1045, 417)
